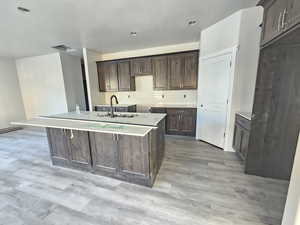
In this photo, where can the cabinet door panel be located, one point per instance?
(188, 122)
(176, 71)
(173, 121)
(104, 152)
(102, 78)
(160, 73)
(112, 75)
(293, 12)
(79, 148)
(58, 146)
(124, 75)
(133, 155)
(141, 66)
(190, 78)
(273, 14)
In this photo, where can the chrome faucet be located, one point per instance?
(111, 105)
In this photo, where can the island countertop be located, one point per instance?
(141, 119)
(99, 127)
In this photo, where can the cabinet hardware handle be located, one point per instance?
(283, 18)
(71, 135)
(279, 21)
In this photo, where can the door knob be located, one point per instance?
(201, 105)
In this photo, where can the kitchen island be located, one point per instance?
(128, 147)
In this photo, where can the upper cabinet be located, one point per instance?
(126, 82)
(115, 76)
(190, 73)
(178, 71)
(183, 71)
(108, 76)
(279, 17)
(293, 12)
(141, 66)
(160, 72)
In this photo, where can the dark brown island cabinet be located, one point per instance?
(134, 159)
(241, 135)
(275, 123)
(117, 108)
(176, 71)
(179, 121)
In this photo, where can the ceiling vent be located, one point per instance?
(62, 48)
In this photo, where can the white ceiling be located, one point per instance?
(104, 25)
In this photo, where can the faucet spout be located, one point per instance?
(111, 105)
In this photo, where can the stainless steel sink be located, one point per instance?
(123, 115)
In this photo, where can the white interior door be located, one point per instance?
(213, 94)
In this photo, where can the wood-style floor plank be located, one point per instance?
(197, 185)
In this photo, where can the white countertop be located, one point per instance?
(116, 105)
(100, 127)
(141, 119)
(246, 115)
(174, 105)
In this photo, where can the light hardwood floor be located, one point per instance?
(197, 184)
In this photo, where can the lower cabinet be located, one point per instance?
(131, 108)
(104, 152)
(69, 148)
(134, 159)
(241, 136)
(180, 121)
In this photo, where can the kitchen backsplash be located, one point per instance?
(145, 95)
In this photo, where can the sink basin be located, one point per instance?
(123, 115)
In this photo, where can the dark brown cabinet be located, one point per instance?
(69, 148)
(279, 17)
(108, 76)
(58, 146)
(79, 148)
(183, 71)
(115, 76)
(132, 162)
(293, 12)
(104, 108)
(160, 73)
(180, 121)
(190, 75)
(241, 136)
(177, 71)
(104, 152)
(126, 82)
(141, 66)
(275, 13)
(276, 123)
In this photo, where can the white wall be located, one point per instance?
(291, 214)
(71, 66)
(11, 103)
(144, 94)
(42, 85)
(238, 30)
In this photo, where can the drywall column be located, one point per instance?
(42, 85)
(11, 104)
(291, 214)
(72, 73)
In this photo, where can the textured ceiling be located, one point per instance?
(105, 25)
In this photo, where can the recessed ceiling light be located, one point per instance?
(24, 10)
(192, 22)
(133, 34)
